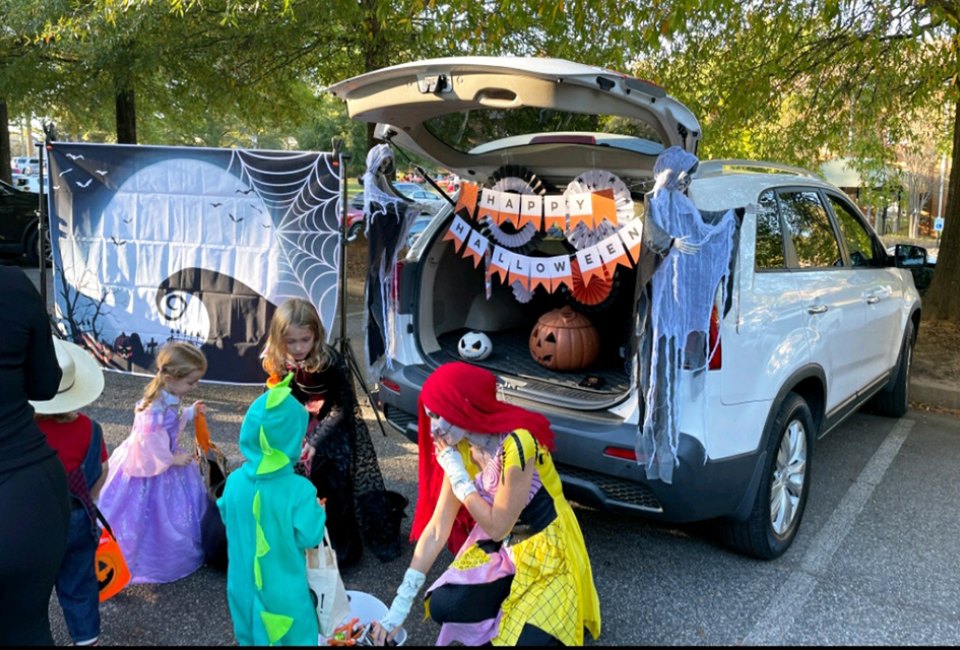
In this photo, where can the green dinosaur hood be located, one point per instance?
(271, 435)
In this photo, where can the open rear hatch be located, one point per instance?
(526, 125)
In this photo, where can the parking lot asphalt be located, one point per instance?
(874, 562)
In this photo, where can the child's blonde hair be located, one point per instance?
(295, 312)
(174, 361)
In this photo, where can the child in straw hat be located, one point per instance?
(79, 444)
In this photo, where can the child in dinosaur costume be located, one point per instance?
(272, 516)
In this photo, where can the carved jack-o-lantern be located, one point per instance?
(562, 339)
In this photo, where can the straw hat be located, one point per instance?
(81, 384)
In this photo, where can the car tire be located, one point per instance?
(894, 400)
(32, 249)
(782, 494)
(354, 231)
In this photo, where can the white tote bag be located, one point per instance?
(323, 576)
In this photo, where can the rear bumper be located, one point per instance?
(700, 490)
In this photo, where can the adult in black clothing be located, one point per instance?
(34, 501)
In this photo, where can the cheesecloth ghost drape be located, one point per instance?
(387, 225)
(682, 297)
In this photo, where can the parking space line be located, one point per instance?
(777, 619)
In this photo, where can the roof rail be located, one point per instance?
(716, 167)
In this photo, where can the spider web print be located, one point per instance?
(304, 203)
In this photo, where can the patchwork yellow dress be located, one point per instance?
(533, 585)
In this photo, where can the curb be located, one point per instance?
(934, 393)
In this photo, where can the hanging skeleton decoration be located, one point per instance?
(388, 220)
(696, 263)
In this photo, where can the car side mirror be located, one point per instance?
(907, 256)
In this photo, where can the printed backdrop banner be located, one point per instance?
(153, 244)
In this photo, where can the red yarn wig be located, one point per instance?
(465, 396)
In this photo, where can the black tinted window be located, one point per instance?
(769, 234)
(808, 226)
(854, 233)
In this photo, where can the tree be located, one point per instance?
(798, 81)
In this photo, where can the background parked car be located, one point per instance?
(18, 224)
(27, 183)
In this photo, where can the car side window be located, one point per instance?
(809, 229)
(769, 250)
(855, 236)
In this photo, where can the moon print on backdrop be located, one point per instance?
(593, 180)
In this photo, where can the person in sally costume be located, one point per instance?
(521, 575)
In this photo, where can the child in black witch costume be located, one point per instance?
(338, 455)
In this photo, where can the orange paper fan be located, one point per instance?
(593, 293)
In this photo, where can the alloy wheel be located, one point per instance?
(789, 474)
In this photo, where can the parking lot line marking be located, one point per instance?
(777, 619)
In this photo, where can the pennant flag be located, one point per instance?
(458, 232)
(476, 246)
(613, 253)
(604, 206)
(631, 234)
(531, 210)
(520, 270)
(554, 212)
(580, 210)
(540, 273)
(510, 208)
(591, 265)
(560, 272)
(500, 264)
(467, 198)
(489, 205)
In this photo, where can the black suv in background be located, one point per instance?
(18, 223)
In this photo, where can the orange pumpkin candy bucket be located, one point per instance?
(111, 568)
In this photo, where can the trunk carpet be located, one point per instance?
(511, 356)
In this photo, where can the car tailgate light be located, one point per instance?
(621, 452)
(389, 384)
(395, 289)
(563, 139)
(713, 341)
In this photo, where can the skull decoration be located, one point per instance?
(475, 346)
(562, 339)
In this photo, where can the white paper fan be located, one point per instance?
(599, 179)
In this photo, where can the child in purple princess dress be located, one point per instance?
(154, 496)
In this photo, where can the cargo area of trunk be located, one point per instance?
(453, 301)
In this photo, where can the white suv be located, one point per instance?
(818, 319)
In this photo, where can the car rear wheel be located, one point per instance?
(33, 252)
(782, 495)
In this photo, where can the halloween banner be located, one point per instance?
(619, 249)
(561, 211)
(156, 244)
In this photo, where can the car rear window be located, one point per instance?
(769, 255)
(811, 235)
(466, 130)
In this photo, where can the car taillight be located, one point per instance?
(621, 452)
(713, 341)
(392, 385)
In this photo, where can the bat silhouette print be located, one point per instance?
(84, 185)
(75, 156)
(234, 219)
(66, 171)
(243, 191)
(216, 205)
(102, 172)
(117, 242)
(127, 219)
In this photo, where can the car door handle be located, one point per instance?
(817, 309)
